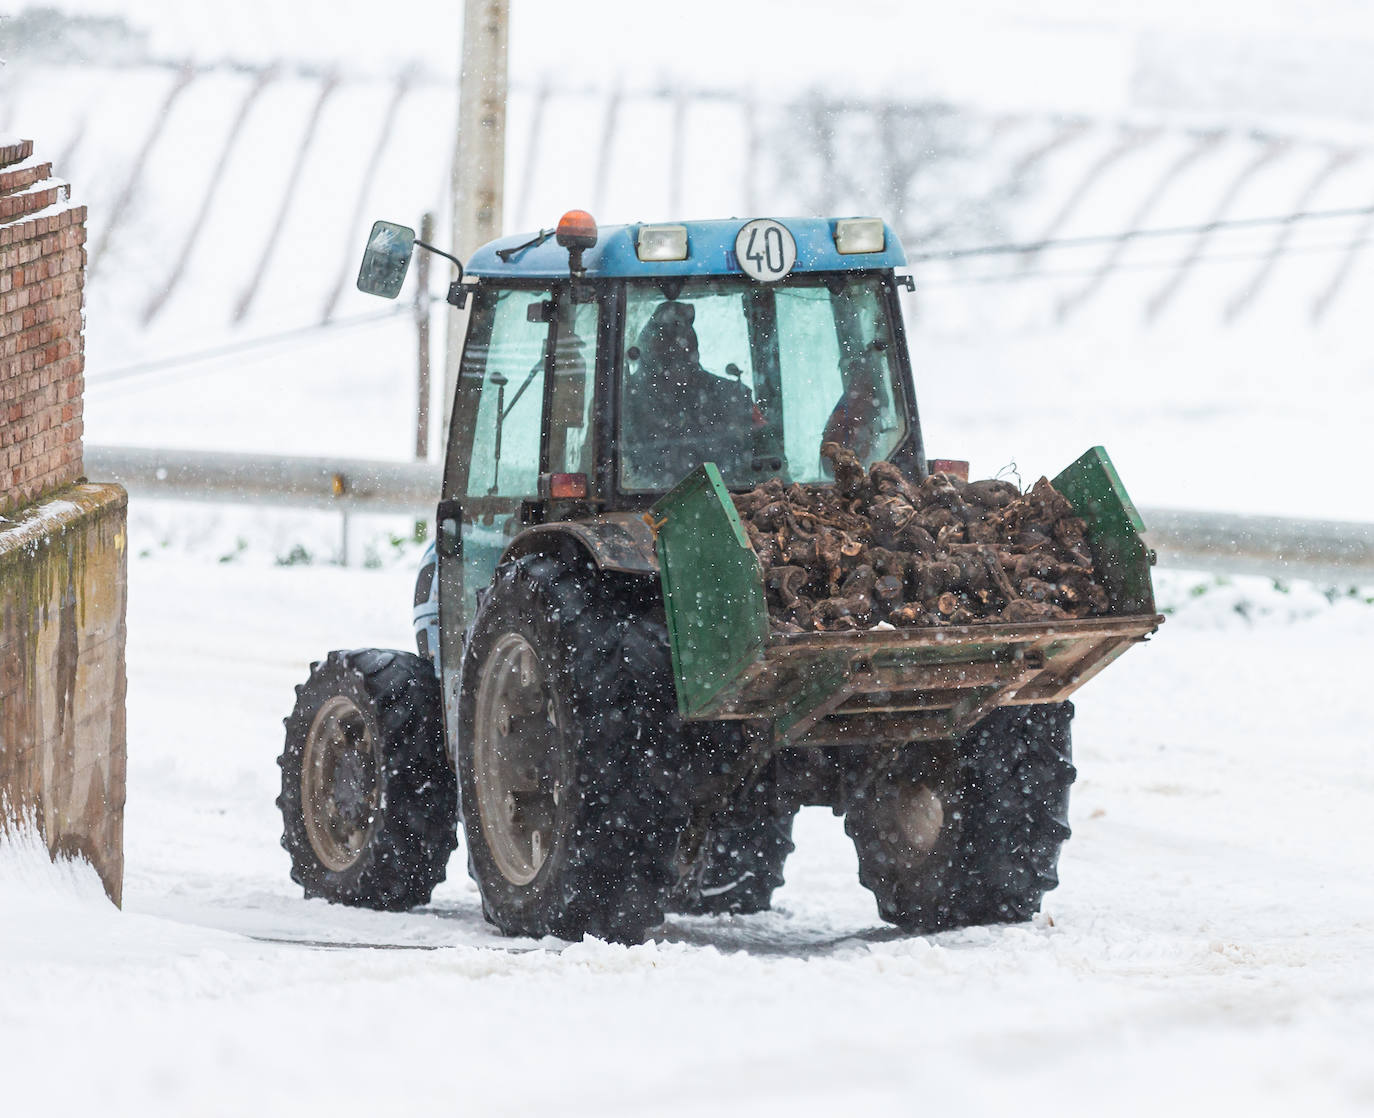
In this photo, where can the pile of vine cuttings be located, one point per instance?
(878, 549)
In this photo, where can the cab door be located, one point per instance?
(496, 444)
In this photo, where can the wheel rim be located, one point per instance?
(516, 759)
(340, 786)
(920, 816)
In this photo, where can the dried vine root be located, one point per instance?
(877, 547)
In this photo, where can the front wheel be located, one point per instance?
(368, 799)
(971, 834)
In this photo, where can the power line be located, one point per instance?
(182, 361)
(1028, 247)
(1138, 266)
(229, 349)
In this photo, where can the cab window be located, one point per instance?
(755, 378)
(506, 373)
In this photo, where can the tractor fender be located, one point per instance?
(618, 541)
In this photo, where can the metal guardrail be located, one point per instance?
(345, 485)
(1338, 552)
(1334, 551)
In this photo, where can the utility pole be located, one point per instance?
(422, 304)
(479, 167)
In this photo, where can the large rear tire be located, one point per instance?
(970, 836)
(368, 799)
(742, 857)
(569, 753)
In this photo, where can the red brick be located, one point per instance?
(22, 179)
(16, 152)
(42, 273)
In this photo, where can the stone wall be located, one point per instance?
(62, 542)
(62, 674)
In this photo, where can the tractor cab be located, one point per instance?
(602, 365)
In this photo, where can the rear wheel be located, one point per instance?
(742, 857)
(971, 836)
(368, 798)
(569, 753)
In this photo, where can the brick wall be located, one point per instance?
(63, 543)
(42, 268)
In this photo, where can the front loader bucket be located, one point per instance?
(880, 685)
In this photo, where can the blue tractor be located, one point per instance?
(549, 709)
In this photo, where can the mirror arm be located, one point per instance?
(457, 294)
(441, 252)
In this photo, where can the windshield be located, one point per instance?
(755, 378)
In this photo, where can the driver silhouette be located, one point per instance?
(678, 414)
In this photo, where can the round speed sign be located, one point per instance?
(766, 249)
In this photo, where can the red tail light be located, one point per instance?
(955, 467)
(568, 487)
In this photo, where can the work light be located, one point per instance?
(859, 234)
(662, 242)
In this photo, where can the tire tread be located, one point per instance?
(408, 851)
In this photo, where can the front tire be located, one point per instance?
(971, 836)
(368, 799)
(569, 753)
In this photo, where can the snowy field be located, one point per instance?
(239, 195)
(1210, 949)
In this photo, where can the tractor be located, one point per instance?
(597, 698)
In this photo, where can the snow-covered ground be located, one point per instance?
(1210, 950)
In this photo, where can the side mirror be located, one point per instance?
(386, 259)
